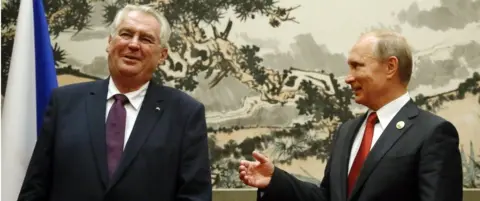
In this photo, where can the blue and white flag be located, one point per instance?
(31, 80)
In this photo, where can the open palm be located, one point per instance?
(256, 173)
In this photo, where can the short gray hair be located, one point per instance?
(390, 43)
(165, 30)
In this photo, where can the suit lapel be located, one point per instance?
(388, 138)
(346, 147)
(96, 106)
(150, 112)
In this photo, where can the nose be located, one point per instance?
(349, 79)
(134, 43)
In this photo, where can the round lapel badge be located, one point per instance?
(400, 124)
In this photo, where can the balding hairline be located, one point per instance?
(165, 29)
(390, 43)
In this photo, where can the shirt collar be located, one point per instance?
(135, 98)
(388, 111)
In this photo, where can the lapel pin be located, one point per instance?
(157, 109)
(400, 124)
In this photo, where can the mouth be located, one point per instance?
(356, 89)
(131, 57)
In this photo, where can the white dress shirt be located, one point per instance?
(135, 100)
(385, 115)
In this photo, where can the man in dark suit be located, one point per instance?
(124, 138)
(395, 151)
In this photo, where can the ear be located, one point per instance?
(163, 55)
(392, 67)
(109, 41)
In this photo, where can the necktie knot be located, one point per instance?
(372, 118)
(121, 98)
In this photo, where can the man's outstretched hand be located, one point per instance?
(256, 173)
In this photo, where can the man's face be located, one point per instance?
(367, 75)
(134, 51)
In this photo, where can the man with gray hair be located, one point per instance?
(124, 138)
(394, 152)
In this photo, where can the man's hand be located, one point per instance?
(256, 174)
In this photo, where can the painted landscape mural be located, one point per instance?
(271, 73)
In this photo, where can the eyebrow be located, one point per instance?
(352, 61)
(148, 35)
(142, 33)
(129, 29)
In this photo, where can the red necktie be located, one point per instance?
(362, 151)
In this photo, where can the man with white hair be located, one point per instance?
(124, 138)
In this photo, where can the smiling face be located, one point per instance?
(367, 76)
(134, 51)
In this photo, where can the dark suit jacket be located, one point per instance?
(420, 162)
(166, 157)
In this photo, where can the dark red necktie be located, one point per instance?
(362, 151)
(115, 130)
